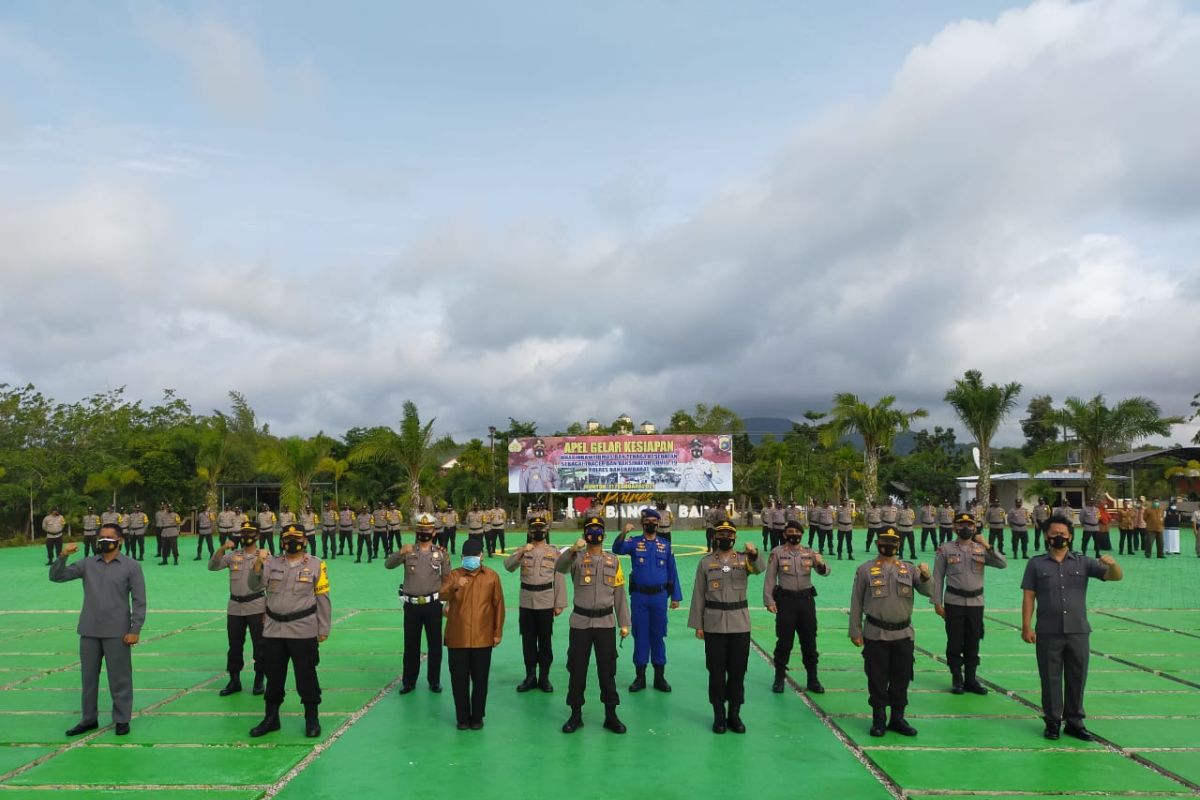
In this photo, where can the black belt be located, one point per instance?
(295, 615)
(645, 588)
(962, 593)
(779, 591)
(594, 613)
(248, 598)
(728, 606)
(537, 587)
(889, 626)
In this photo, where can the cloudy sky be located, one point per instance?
(554, 211)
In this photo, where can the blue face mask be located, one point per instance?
(471, 562)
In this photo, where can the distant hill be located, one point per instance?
(778, 426)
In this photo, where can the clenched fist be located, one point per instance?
(70, 548)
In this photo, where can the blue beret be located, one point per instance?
(651, 513)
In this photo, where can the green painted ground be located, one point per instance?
(186, 742)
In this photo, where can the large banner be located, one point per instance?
(576, 464)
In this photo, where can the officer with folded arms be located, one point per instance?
(425, 566)
(246, 608)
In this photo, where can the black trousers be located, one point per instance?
(328, 544)
(774, 538)
(267, 540)
(379, 541)
(907, 536)
(494, 535)
(932, 535)
(1139, 537)
(312, 542)
(422, 620)
(848, 538)
(889, 668)
(1039, 529)
(394, 542)
(795, 616)
(54, 546)
(1020, 542)
(945, 535)
(1151, 540)
(449, 539)
(364, 541)
(1062, 658)
(766, 531)
(964, 631)
(469, 669)
(537, 627)
(870, 536)
(825, 539)
(89, 545)
(726, 656)
(236, 627)
(580, 644)
(138, 541)
(201, 539)
(168, 546)
(345, 542)
(708, 537)
(305, 655)
(996, 538)
(157, 544)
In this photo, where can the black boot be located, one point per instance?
(780, 683)
(735, 721)
(899, 724)
(611, 721)
(544, 682)
(878, 721)
(312, 728)
(719, 724)
(258, 683)
(269, 723)
(639, 682)
(660, 682)
(956, 680)
(814, 684)
(972, 684)
(575, 721)
(234, 686)
(527, 684)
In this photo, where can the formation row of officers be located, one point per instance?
(283, 603)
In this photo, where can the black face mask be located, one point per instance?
(724, 544)
(537, 536)
(649, 529)
(697, 453)
(291, 545)
(539, 453)
(249, 541)
(107, 545)
(793, 539)
(964, 533)
(594, 538)
(424, 537)
(887, 550)
(1058, 542)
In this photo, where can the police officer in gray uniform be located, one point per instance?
(425, 565)
(299, 616)
(789, 594)
(308, 521)
(53, 525)
(245, 610)
(91, 525)
(345, 529)
(136, 532)
(206, 519)
(1018, 522)
(945, 517)
(845, 528)
(168, 536)
(329, 530)
(1055, 583)
(959, 567)
(883, 595)
(599, 595)
(874, 521)
(720, 615)
(996, 519)
(114, 610)
(543, 597)
(228, 524)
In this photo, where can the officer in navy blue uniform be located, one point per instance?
(652, 579)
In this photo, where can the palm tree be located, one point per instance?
(337, 469)
(982, 409)
(112, 479)
(878, 426)
(295, 461)
(1099, 430)
(413, 449)
(217, 445)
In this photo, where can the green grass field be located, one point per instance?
(186, 742)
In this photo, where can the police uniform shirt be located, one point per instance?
(379, 520)
(363, 522)
(345, 520)
(960, 565)
(329, 520)
(538, 477)
(204, 522)
(137, 522)
(110, 518)
(52, 525)
(91, 524)
(170, 525)
(945, 517)
(424, 569)
(1065, 511)
(292, 587)
(1089, 518)
(286, 518)
(599, 584)
(114, 594)
(240, 565)
(475, 521)
(778, 518)
(813, 513)
(266, 522)
(394, 519)
(652, 564)
(845, 519)
(825, 519)
(888, 514)
(723, 578)
(928, 516)
(496, 518)
(665, 520)
(884, 589)
(1061, 589)
(450, 519)
(906, 519)
(1018, 519)
(791, 570)
(995, 517)
(537, 569)
(874, 518)
(308, 521)
(1041, 512)
(226, 522)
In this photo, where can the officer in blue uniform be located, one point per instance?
(652, 580)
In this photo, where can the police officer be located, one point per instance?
(160, 521)
(946, 522)
(789, 594)
(496, 519)
(874, 520)
(766, 523)
(287, 517)
(425, 565)
(666, 520)
(228, 523)
(996, 519)
(136, 531)
(246, 608)
(538, 476)
(363, 522)
(1064, 510)
(1041, 516)
(653, 583)
(206, 520)
(329, 522)
(266, 528)
(308, 523)
(91, 524)
(959, 568)
(889, 515)
(168, 535)
(53, 525)
(299, 616)
(379, 534)
(883, 594)
(845, 528)
(906, 518)
(825, 521)
(1055, 584)
(720, 616)
(345, 529)
(394, 522)
(543, 597)
(476, 520)
(450, 529)
(929, 524)
(114, 610)
(714, 517)
(1018, 522)
(599, 594)
(778, 521)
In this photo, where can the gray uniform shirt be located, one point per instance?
(778, 518)
(137, 523)
(227, 523)
(53, 525)
(960, 565)
(945, 517)
(874, 518)
(813, 514)
(240, 565)
(345, 522)
(114, 594)
(329, 520)
(293, 586)
(363, 522)
(475, 521)
(169, 526)
(91, 524)
(665, 520)
(905, 520)
(928, 516)
(1089, 518)
(888, 514)
(1018, 519)
(825, 519)
(266, 522)
(424, 568)
(790, 569)
(723, 578)
(537, 569)
(883, 589)
(1061, 589)
(995, 517)
(204, 521)
(599, 584)
(110, 518)
(845, 519)
(308, 521)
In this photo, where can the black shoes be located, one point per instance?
(814, 685)
(1051, 731)
(780, 682)
(477, 725)
(462, 726)
(545, 685)
(736, 725)
(83, 727)
(878, 726)
(574, 722)
(312, 727)
(233, 687)
(901, 726)
(974, 687)
(405, 688)
(1079, 732)
(269, 723)
(957, 688)
(122, 728)
(639, 682)
(611, 722)
(436, 688)
(660, 681)
(258, 683)
(527, 684)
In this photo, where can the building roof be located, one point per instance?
(1130, 459)
(1045, 475)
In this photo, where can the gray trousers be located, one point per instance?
(118, 661)
(1059, 656)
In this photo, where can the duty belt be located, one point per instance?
(594, 613)
(779, 591)
(420, 599)
(537, 587)
(964, 593)
(247, 598)
(728, 606)
(295, 615)
(645, 588)
(889, 626)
